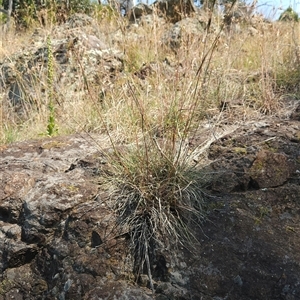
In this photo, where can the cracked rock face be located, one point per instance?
(271, 169)
(59, 237)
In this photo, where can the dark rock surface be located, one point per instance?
(59, 237)
(249, 250)
(138, 11)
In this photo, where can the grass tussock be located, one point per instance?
(157, 200)
(156, 187)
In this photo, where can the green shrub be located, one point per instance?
(26, 11)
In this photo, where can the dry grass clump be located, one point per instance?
(154, 183)
(155, 186)
(157, 196)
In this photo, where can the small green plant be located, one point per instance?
(8, 135)
(51, 126)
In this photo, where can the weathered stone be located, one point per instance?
(139, 10)
(120, 290)
(24, 280)
(296, 114)
(19, 253)
(12, 231)
(188, 29)
(58, 211)
(171, 291)
(13, 189)
(174, 10)
(228, 181)
(270, 169)
(79, 20)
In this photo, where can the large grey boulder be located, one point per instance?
(174, 10)
(59, 234)
(188, 29)
(139, 10)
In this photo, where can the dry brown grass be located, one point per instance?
(244, 74)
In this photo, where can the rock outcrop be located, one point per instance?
(55, 223)
(183, 32)
(79, 57)
(60, 238)
(172, 10)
